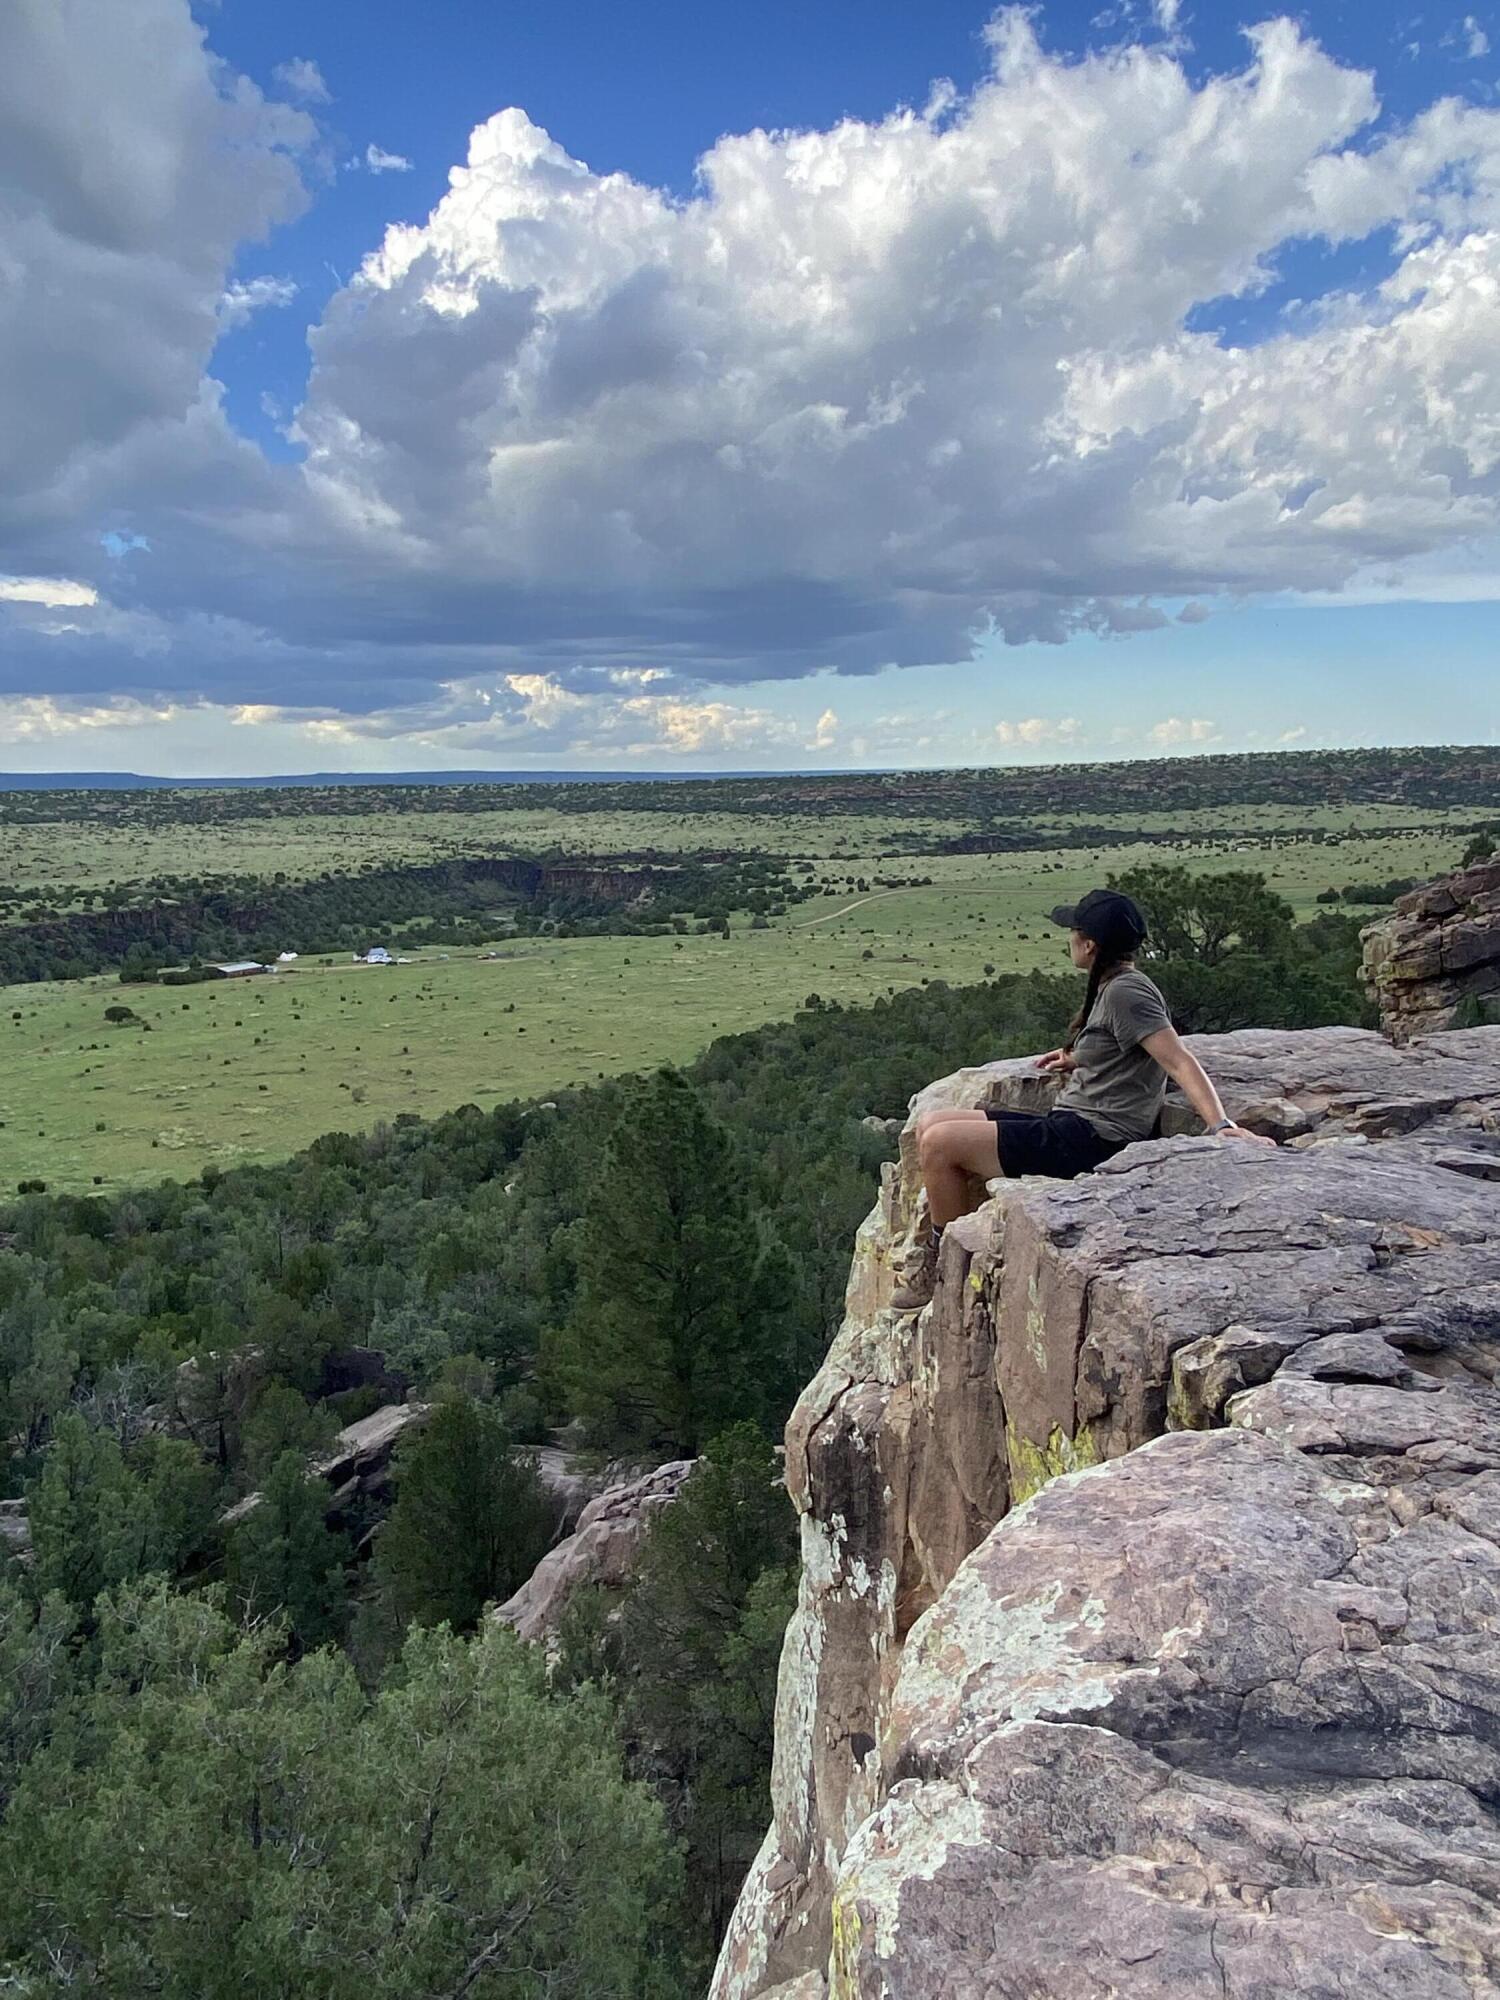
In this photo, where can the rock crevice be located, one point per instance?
(1146, 1642)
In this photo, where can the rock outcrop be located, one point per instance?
(15, 1531)
(601, 1550)
(358, 1464)
(1439, 952)
(1147, 1636)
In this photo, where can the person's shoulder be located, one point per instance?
(1133, 980)
(1136, 991)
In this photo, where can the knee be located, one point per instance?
(930, 1147)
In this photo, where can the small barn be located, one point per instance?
(239, 968)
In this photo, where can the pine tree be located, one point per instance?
(700, 1635)
(470, 1523)
(83, 1515)
(282, 1557)
(668, 1341)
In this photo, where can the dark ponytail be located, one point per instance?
(1102, 970)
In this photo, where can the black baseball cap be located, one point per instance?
(1110, 919)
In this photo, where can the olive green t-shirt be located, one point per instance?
(1117, 1086)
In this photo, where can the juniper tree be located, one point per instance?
(282, 1560)
(470, 1523)
(224, 1826)
(670, 1337)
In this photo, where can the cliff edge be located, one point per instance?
(1147, 1636)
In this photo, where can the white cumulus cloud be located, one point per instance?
(300, 77)
(53, 590)
(1040, 729)
(872, 395)
(131, 171)
(28, 717)
(1176, 730)
(379, 161)
(242, 299)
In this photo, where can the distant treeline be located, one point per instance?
(460, 902)
(1026, 839)
(1438, 777)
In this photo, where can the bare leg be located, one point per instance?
(955, 1148)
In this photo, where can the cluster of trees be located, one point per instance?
(283, 1751)
(1227, 952)
(459, 902)
(188, 1812)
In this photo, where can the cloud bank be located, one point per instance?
(872, 396)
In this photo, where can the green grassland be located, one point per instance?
(253, 1070)
(49, 855)
(69, 852)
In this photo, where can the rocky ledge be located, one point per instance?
(1147, 1639)
(1438, 954)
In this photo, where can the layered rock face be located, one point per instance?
(601, 1550)
(1440, 949)
(1149, 1633)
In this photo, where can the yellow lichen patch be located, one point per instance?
(1033, 1465)
(843, 1960)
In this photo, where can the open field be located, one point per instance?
(252, 1070)
(47, 856)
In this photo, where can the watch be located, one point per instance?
(1224, 1125)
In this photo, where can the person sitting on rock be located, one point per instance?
(1121, 1050)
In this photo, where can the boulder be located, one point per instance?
(567, 1485)
(357, 1465)
(15, 1531)
(1437, 953)
(1151, 1575)
(346, 1368)
(601, 1550)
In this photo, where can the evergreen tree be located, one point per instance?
(84, 1515)
(38, 1361)
(38, 1670)
(223, 1826)
(283, 1559)
(700, 1638)
(281, 1421)
(470, 1523)
(1202, 917)
(669, 1337)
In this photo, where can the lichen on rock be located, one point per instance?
(1147, 1630)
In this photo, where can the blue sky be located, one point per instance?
(1136, 391)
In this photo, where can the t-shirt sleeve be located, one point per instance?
(1138, 1011)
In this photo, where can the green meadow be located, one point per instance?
(251, 1070)
(72, 852)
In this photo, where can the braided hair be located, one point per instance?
(1100, 973)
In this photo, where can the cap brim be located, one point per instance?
(1064, 915)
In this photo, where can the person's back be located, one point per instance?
(1117, 1085)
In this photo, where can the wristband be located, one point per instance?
(1224, 1125)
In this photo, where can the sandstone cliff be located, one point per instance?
(1438, 952)
(600, 1551)
(1147, 1637)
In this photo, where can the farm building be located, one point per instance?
(240, 968)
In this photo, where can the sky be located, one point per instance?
(830, 383)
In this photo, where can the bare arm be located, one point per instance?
(1166, 1047)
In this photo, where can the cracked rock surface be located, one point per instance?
(1439, 949)
(1149, 1633)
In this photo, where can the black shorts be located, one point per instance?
(1060, 1144)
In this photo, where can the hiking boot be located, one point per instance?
(919, 1280)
